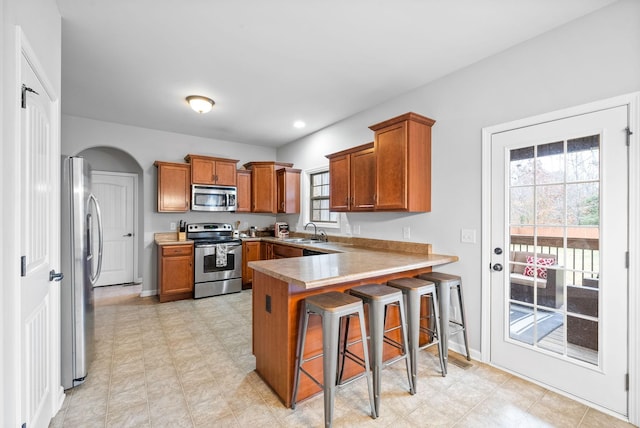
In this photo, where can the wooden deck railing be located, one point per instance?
(581, 259)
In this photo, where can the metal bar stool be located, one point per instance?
(378, 296)
(414, 291)
(444, 283)
(331, 307)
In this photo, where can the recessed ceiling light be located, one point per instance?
(200, 104)
(299, 124)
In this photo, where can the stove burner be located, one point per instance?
(211, 233)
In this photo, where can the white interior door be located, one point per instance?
(115, 192)
(559, 236)
(39, 186)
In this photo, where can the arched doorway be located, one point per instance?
(110, 164)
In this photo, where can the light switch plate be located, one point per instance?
(406, 232)
(172, 225)
(468, 236)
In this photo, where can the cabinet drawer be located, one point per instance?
(284, 251)
(177, 250)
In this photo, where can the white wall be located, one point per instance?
(146, 146)
(592, 58)
(40, 22)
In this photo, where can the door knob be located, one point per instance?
(497, 267)
(128, 234)
(55, 276)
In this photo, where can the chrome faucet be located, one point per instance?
(315, 229)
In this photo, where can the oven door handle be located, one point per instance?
(234, 245)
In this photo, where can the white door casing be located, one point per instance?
(117, 194)
(39, 391)
(614, 328)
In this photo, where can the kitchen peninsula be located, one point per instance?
(279, 286)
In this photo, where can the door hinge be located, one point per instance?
(26, 89)
(24, 425)
(23, 266)
(629, 134)
(626, 259)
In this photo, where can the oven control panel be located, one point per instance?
(209, 227)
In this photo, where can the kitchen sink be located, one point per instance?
(302, 240)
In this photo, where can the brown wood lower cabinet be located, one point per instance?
(276, 317)
(250, 252)
(175, 272)
(285, 251)
(256, 250)
(266, 251)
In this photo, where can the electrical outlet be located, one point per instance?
(406, 232)
(172, 225)
(468, 236)
(356, 229)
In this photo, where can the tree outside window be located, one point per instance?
(319, 198)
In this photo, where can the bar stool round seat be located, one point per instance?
(415, 290)
(331, 307)
(378, 297)
(444, 282)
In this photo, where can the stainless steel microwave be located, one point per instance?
(213, 198)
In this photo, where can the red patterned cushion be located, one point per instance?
(539, 272)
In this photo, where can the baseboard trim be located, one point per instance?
(147, 293)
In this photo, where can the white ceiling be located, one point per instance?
(268, 63)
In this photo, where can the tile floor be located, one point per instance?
(189, 364)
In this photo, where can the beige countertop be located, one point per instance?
(345, 263)
(169, 238)
(346, 259)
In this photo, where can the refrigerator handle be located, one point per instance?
(96, 274)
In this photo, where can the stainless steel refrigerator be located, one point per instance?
(81, 256)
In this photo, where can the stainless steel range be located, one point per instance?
(218, 259)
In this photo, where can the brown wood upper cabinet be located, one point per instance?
(243, 197)
(403, 163)
(264, 189)
(288, 180)
(210, 170)
(174, 189)
(353, 178)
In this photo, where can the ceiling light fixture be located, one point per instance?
(299, 124)
(200, 104)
